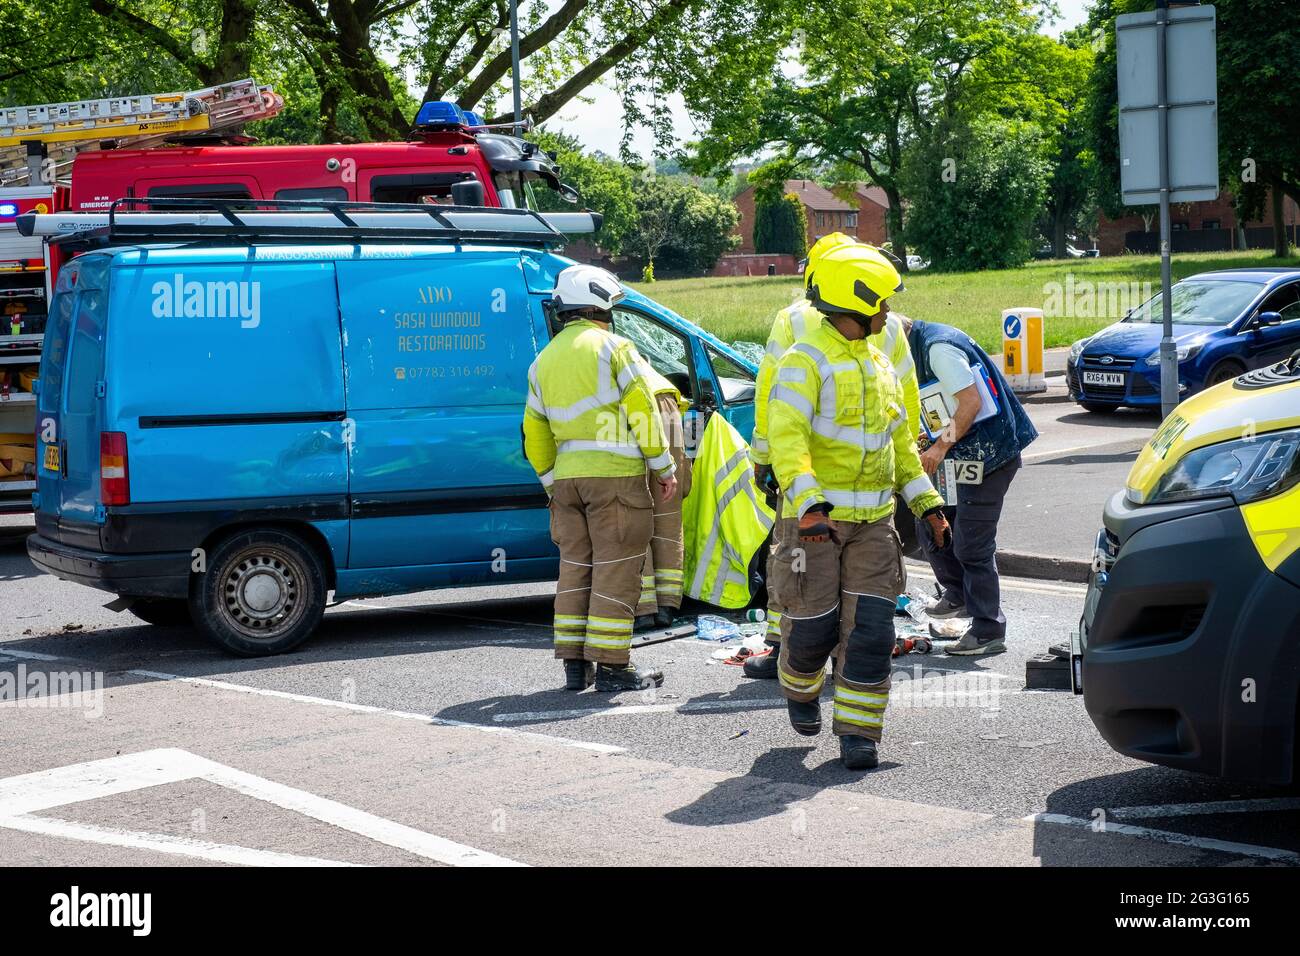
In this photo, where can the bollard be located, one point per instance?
(1022, 349)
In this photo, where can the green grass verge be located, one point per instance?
(742, 307)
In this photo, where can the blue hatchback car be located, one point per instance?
(1225, 323)
(230, 432)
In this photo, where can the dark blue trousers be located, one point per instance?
(968, 570)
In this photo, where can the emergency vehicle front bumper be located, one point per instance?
(1192, 646)
(164, 574)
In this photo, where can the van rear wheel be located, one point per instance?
(263, 593)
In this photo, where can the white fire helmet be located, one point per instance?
(586, 287)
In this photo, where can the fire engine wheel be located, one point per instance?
(263, 593)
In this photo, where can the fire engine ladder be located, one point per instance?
(33, 137)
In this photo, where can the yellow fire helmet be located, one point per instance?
(854, 279)
(823, 247)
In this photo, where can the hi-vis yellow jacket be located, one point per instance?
(725, 519)
(839, 433)
(793, 323)
(591, 411)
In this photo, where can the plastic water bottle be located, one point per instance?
(710, 627)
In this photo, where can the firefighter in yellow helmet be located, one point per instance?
(841, 447)
(593, 434)
(790, 325)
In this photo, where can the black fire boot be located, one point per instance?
(615, 677)
(763, 666)
(645, 622)
(858, 753)
(664, 617)
(805, 716)
(578, 675)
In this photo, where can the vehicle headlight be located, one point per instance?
(1185, 352)
(1245, 468)
(1077, 349)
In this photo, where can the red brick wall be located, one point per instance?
(871, 223)
(745, 228)
(1111, 232)
(872, 227)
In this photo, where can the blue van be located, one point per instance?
(229, 431)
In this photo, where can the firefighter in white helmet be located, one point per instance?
(593, 434)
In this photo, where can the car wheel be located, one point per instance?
(263, 593)
(164, 612)
(1097, 407)
(1225, 371)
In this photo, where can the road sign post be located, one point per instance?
(1168, 132)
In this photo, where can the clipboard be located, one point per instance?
(937, 409)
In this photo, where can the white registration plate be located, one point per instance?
(1103, 378)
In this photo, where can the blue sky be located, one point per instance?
(599, 124)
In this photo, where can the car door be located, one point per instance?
(1269, 344)
(437, 349)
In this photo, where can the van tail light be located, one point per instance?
(114, 475)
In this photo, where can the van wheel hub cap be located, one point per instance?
(261, 592)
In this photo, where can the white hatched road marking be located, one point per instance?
(1169, 836)
(28, 794)
(1272, 804)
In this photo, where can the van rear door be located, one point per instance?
(69, 409)
(437, 350)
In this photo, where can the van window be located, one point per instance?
(331, 193)
(415, 187)
(55, 351)
(86, 365)
(666, 350)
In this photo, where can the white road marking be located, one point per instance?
(1167, 836)
(1014, 584)
(1201, 809)
(160, 843)
(1121, 447)
(367, 709)
(346, 705)
(24, 795)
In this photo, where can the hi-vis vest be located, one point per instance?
(591, 412)
(724, 519)
(839, 432)
(794, 322)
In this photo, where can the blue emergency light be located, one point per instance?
(440, 113)
(8, 210)
(473, 119)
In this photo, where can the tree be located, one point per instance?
(854, 89)
(781, 227)
(680, 227)
(981, 214)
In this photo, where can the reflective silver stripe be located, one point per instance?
(915, 488)
(606, 392)
(857, 499)
(613, 447)
(774, 349)
(849, 435)
(802, 483)
(792, 398)
(904, 365)
(738, 458)
(743, 482)
(817, 355)
(535, 403)
(799, 317)
(792, 375)
(759, 444)
(630, 373)
(662, 462)
(547, 478)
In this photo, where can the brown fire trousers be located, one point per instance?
(602, 527)
(838, 598)
(661, 573)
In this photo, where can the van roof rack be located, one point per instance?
(205, 220)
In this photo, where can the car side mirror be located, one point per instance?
(1268, 318)
(468, 192)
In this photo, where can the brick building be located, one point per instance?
(1197, 227)
(864, 219)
